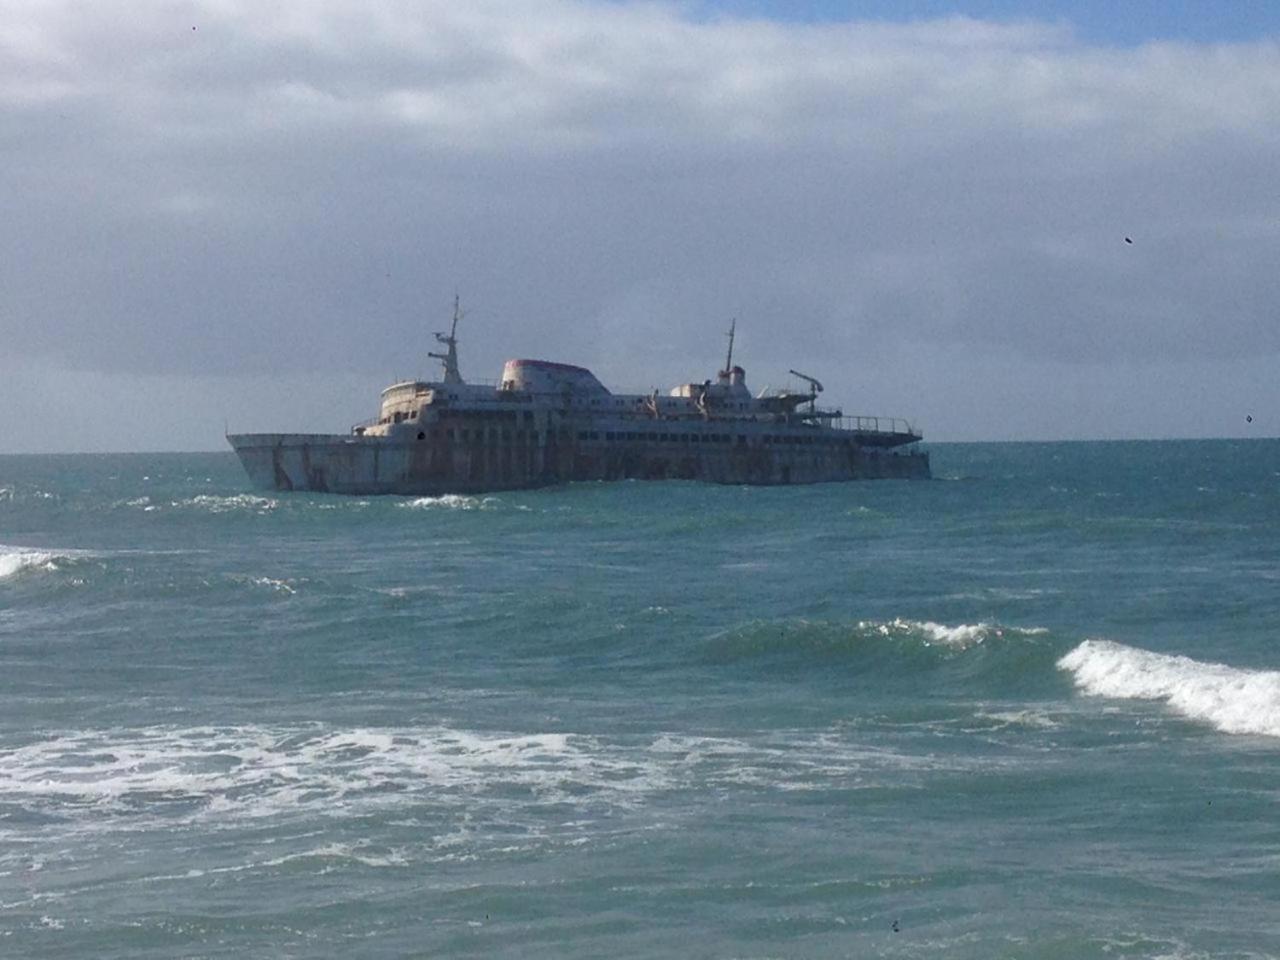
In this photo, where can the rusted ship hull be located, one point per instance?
(433, 465)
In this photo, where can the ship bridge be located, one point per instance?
(544, 376)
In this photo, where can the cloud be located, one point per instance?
(238, 187)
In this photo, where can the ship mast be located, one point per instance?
(450, 357)
(728, 361)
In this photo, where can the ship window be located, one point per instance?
(608, 436)
(653, 436)
(742, 438)
(582, 435)
(594, 435)
(421, 435)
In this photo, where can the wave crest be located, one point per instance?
(1230, 699)
(897, 650)
(15, 561)
(959, 637)
(452, 501)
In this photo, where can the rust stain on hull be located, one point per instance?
(339, 464)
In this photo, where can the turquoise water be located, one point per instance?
(1030, 709)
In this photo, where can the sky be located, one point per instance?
(1004, 221)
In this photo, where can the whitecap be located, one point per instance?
(960, 636)
(18, 560)
(13, 561)
(451, 501)
(280, 586)
(1230, 699)
(227, 504)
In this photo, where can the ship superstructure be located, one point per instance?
(546, 423)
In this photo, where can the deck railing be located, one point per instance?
(878, 425)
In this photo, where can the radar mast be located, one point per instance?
(728, 361)
(450, 357)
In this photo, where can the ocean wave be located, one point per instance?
(1230, 699)
(960, 636)
(452, 501)
(16, 561)
(249, 772)
(225, 777)
(903, 634)
(285, 586)
(240, 502)
(913, 657)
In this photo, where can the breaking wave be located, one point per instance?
(910, 655)
(15, 561)
(960, 636)
(241, 502)
(763, 636)
(452, 501)
(1230, 699)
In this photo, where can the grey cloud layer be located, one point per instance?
(245, 186)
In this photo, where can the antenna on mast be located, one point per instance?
(450, 357)
(728, 361)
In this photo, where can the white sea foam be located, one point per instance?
(240, 501)
(1024, 719)
(289, 586)
(252, 771)
(960, 636)
(18, 560)
(13, 561)
(452, 501)
(1231, 699)
(280, 586)
(224, 776)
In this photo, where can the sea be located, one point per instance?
(1028, 709)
